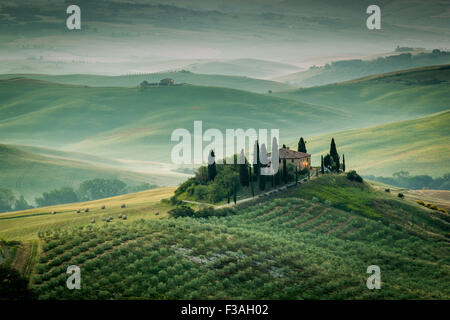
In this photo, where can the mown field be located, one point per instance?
(299, 244)
(25, 225)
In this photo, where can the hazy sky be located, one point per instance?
(131, 35)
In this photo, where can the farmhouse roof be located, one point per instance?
(285, 153)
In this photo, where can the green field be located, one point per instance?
(418, 146)
(243, 67)
(385, 97)
(210, 80)
(300, 244)
(30, 174)
(130, 123)
(348, 69)
(85, 128)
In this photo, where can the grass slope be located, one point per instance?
(385, 97)
(243, 67)
(418, 146)
(303, 244)
(130, 123)
(339, 71)
(30, 174)
(212, 80)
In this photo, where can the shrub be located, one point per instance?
(13, 286)
(201, 192)
(172, 200)
(224, 212)
(421, 202)
(181, 211)
(353, 176)
(211, 212)
(205, 212)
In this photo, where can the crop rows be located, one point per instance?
(285, 249)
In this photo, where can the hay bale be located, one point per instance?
(123, 206)
(124, 217)
(53, 212)
(157, 213)
(78, 211)
(86, 210)
(103, 207)
(93, 221)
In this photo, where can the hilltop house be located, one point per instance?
(166, 82)
(299, 159)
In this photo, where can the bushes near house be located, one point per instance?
(181, 211)
(353, 176)
(185, 211)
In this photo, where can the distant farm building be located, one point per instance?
(299, 159)
(166, 82)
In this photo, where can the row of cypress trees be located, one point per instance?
(250, 174)
(332, 159)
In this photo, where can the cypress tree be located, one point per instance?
(301, 145)
(343, 162)
(234, 192)
(256, 167)
(243, 172)
(278, 177)
(261, 178)
(322, 169)
(243, 175)
(334, 154)
(262, 182)
(296, 176)
(327, 161)
(251, 180)
(285, 172)
(212, 172)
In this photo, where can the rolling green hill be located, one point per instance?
(310, 242)
(243, 67)
(344, 70)
(385, 97)
(131, 123)
(418, 146)
(211, 80)
(29, 174)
